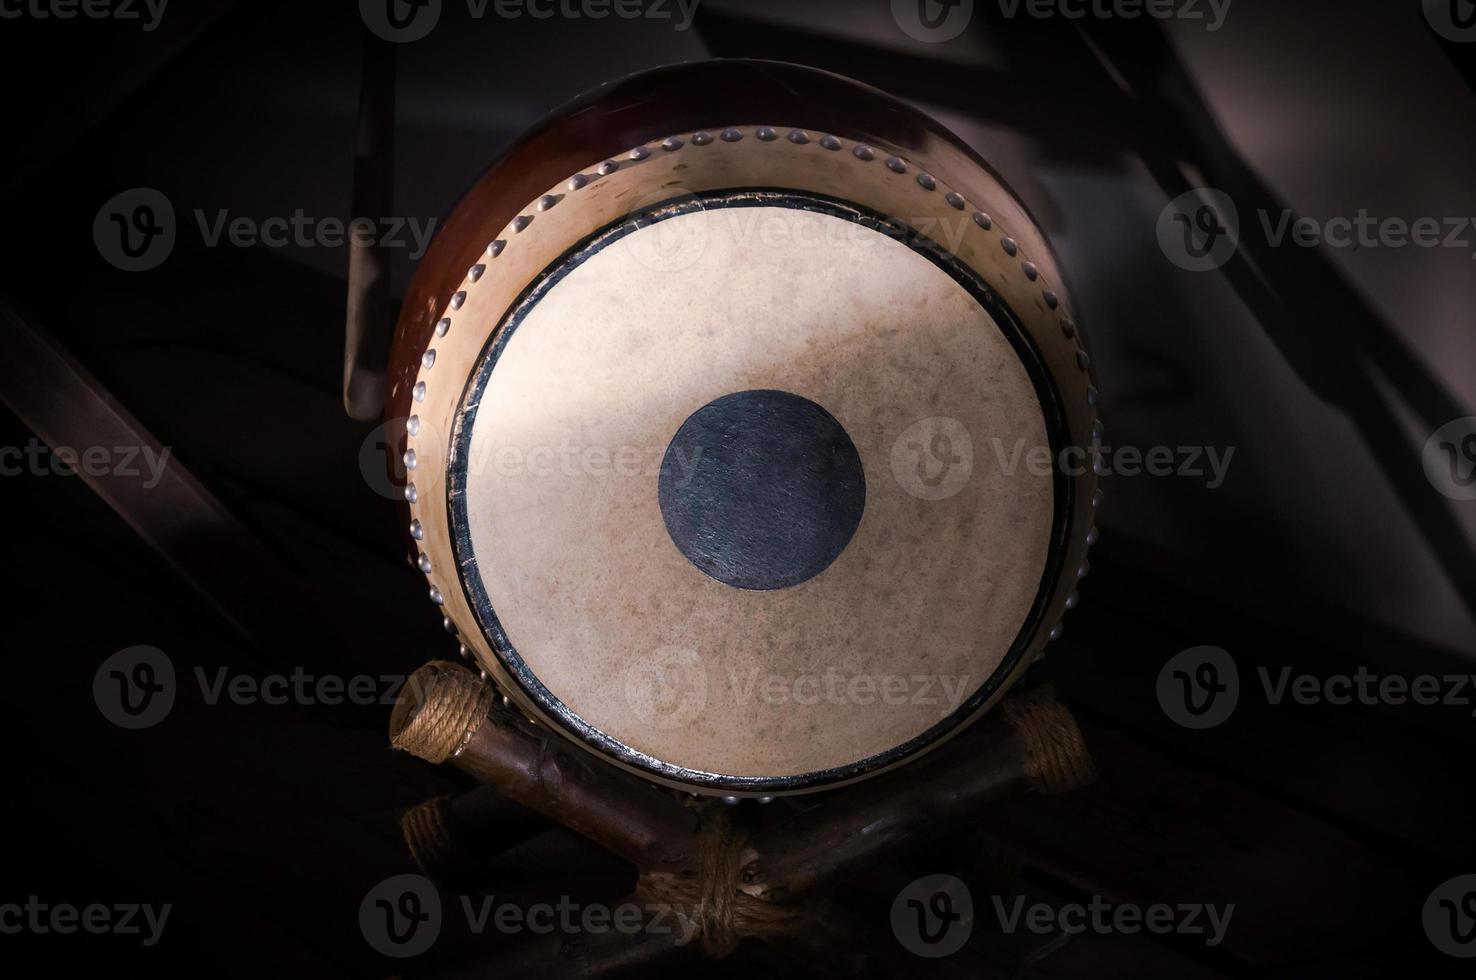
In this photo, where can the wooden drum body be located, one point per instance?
(727, 393)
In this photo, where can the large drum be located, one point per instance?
(736, 401)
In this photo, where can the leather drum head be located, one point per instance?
(727, 459)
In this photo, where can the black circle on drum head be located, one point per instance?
(761, 489)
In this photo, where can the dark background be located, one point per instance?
(1325, 549)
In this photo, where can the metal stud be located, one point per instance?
(896, 166)
(443, 326)
(410, 460)
(1068, 327)
(926, 182)
(864, 152)
(701, 138)
(983, 220)
(475, 272)
(1092, 537)
(520, 222)
(423, 563)
(418, 392)
(461, 648)
(495, 249)
(1092, 396)
(1056, 632)
(411, 496)
(799, 137)
(1050, 299)
(1097, 499)
(730, 800)
(955, 200)
(447, 624)
(830, 142)
(609, 167)
(436, 597)
(1081, 572)
(1009, 246)
(412, 425)
(672, 143)
(1072, 600)
(458, 298)
(547, 201)
(576, 182)
(1083, 359)
(416, 531)
(732, 134)
(765, 133)
(639, 153)
(428, 359)
(1031, 272)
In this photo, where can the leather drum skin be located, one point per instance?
(744, 418)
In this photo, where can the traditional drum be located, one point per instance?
(735, 399)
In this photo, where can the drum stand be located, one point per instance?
(702, 873)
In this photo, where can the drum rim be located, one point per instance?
(1049, 398)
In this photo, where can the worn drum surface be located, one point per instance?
(724, 449)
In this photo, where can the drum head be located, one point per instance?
(733, 450)
(741, 489)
